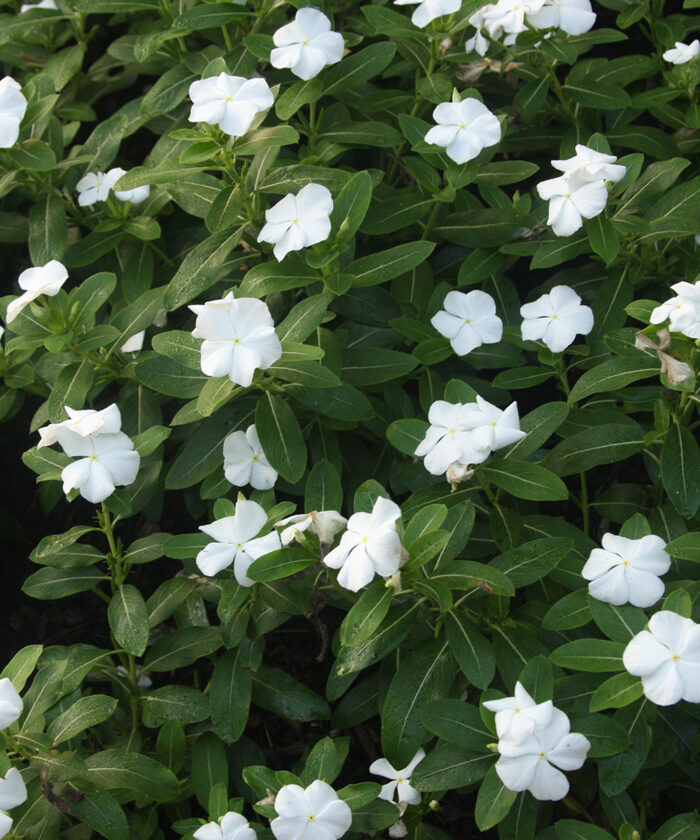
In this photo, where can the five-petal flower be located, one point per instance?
(400, 780)
(468, 321)
(231, 102)
(682, 53)
(231, 826)
(464, 129)
(245, 462)
(556, 319)
(312, 813)
(518, 717)
(573, 197)
(682, 311)
(40, 280)
(307, 44)
(324, 523)
(12, 109)
(571, 16)
(297, 221)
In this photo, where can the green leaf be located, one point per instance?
(359, 67)
(323, 489)
(617, 692)
(679, 827)
(34, 155)
(230, 693)
(325, 761)
(279, 564)
(103, 814)
(531, 561)
(576, 830)
(209, 17)
(448, 767)
(390, 633)
(366, 614)
(351, 205)
(569, 612)
(603, 238)
(135, 774)
(594, 655)
(21, 666)
(680, 468)
(171, 746)
(471, 649)
(405, 435)
(48, 584)
(84, 713)
(182, 647)
(71, 388)
(525, 480)
(209, 766)
(613, 375)
(493, 801)
(295, 97)
(177, 703)
(606, 736)
(269, 277)
(458, 723)
(685, 547)
(277, 692)
(48, 229)
(480, 228)
(128, 619)
(386, 265)
(265, 138)
(200, 268)
(372, 365)
(303, 318)
(280, 436)
(594, 447)
(606, 97)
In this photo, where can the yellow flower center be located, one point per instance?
(311, 817)
(305, 43)
(543, 755)
(364, 539)
(568, 195)
(93, 457)
(255, 457)
(462, 127)
(467, 320)
(625, 562)
(451, 431)
(236, 340)
(239, 545)
(295, 221)
(399, 780)
(676, 657)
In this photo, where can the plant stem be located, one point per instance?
(584, 503)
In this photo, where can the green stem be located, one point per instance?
(430, 224)
(584, 503)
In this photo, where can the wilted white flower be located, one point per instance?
(537, 762)
(430, 9)
(464, 129)
(683, 311)
(468, 320)
(237, 542)
(239, 338)
(245, 462)
(231, 102)
(231, 826)
(449, 438)
(595, 164)
(106, 459)
(369, 546)
(135, 196)
(682, 53)
(556, 318)
(12, 109)
(627, 571)
(307, 44)
(492, 428)
(297, 221)
(400, 779)
(134, 344)
(312, 813)
(518, 717)
(397, 830)
(143, 680)
(12, 793)
(42, 4)
(95, 186)
(83, 422)
(667, 658)
(324, 523)
(40, 280)
(573, 197)
(10, 704)
(572, 16)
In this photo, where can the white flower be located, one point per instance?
(667, 658)
(464, 129)
(449, 438)
(324, 523)
(231, 826)
(95, 186)
(237, 542)
(12, 108)
(84, 422)
(43, 4)
(400, 779)
(40, 280)
(683, 311)
(572, 16)
(627, 571)
(398, 830)
(519, 717)
(508, 16)
(107, 458)
(556, 319)
(239, 337)
(231, 102)
(134, 344)
(492, 428)
(532, 765)
(297, 221)
(369, 546)
(430, 9)
(312, 813)
(469, 320)
(245, 462)
(594, 164)
(10, 704)
(12, 793)
(135, 196)
(682, 53)
(307, 44)
(573, 197)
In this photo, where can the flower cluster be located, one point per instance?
(96, 186)
(106, 456)
(682, 311)
(535, 744)
(464, 434)
(581, 192)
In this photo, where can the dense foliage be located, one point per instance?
(235, 661)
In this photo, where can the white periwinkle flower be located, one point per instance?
(307, 44)
(239, 338)
(448, 439)
(324, 523)
(83, 422)
(135, 195)
(12, 793)
(12, 108)
(682, 53)
(596, 165)
(43, 4)
(430, 9)
(95, 186)
(683, 311)
(231, 826)
(400, 779)
(237, 542)
(667, 658)
(135, 343)
(297, 221)
(626, 571)
(492, 427)
(231, 102)
(245, 462)
(369, 546)
(573, 197)
(571, 16)
(464, 128)
(312, 813)
(468, 321)
(518, 717)
(10, 704)
(537, 762)
(556, 318)
(41, 280)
